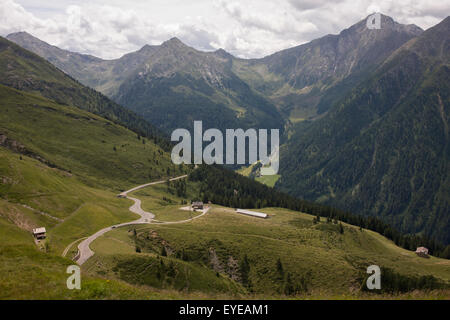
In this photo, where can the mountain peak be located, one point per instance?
(173, 42)
(24, 36)
(19, 33)
(30, 42)
(174, 39)
(145, 48)
(387, 24)
(223, 54)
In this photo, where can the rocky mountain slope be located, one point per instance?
(383, 150)
(303, 81)
(169, 85)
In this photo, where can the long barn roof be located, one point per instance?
(252, 213)
(39, 230)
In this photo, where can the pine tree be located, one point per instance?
(244, 268)
(280, 268)
(288, 285)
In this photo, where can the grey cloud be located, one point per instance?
(198, 38)
(250, 28)
(307, 4)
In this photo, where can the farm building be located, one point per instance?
(197, 205)
(422, 252)
(252, 213)
(39, 233)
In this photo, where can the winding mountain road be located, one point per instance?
(85, 252)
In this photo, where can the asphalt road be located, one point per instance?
(85, 252)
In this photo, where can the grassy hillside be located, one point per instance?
(62, 167)
(165, 202)
(253, 171)
(95, 149)
(316, 257)
(203, 258)
(27, 71)
(27, 273)
(71, 205)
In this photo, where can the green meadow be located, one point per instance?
(96, 150)
(319, 259)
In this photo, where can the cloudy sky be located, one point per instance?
(250, 28)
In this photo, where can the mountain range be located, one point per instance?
(364, 113)
(68, 152)
(170, 85)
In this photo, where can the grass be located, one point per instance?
(82, 210)
(98, 151)
(174, 213)
(249, 171)
(246, 170)
(166, 206)
(116, 258)
(73, 199)
(27, 273)
(268, 180)
(330, 262)
(115, 243)
(296, 119)
(92, 160)
(165, 273)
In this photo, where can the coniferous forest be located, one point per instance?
(227, 188)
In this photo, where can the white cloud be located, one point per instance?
(251, 28)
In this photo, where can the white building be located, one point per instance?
(252, 213)
(39, 233)
(422, 252)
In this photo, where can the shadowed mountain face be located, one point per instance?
(179, 84)
(384, 149)
(170, 85)
(305, 80)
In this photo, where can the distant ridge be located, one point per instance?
(54, 84)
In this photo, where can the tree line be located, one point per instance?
(225, 187)
(393, 282)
